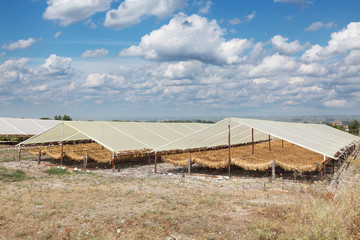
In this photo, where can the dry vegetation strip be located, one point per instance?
(290, 157)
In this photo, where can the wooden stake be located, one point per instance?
(189, 166)
(62, 154)
(155, 161)
(113, 162)
(19, 150)
(229, 162)
(85, 162)
(39, 157)
(62, 143)
(324, 168)
(252, 140)
(269, 143)
(273, 169)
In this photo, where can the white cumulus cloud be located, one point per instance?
(206, 8)
(132, 12)
(94, 80)
(21, 44)
(301, 3)
(101, 52)
(251, 16)
(282, 45)
(317, 25)
(235, 21)
(341, 42)
(273, 65)
(57, 34)
(189, 38)
(336, 103)
(56, 66)
(71, 11)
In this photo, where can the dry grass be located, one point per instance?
(323, 215)
(290, 157)
(91, 207)
(111, 206)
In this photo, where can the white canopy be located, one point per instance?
(315, 137)
(118, 136)
(24, 126)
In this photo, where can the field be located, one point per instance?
(40, 202)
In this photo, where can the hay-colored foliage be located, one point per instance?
(94, 151)
(290, 157)
(75, 152)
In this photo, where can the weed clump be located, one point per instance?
(57, 171)
(11, 175)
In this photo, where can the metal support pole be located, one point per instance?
(252, 140)
(155, 161)
(229, 162)
(189, 166)
(269, 143)
(39, 157)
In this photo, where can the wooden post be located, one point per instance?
(62, 143)
(273, 169)
(282, 143)
(62, 153)
(113, 162)
(324, 168)
(189, 166)
(39, 157)
(269, 143)
(155, 161)
(252, 140)
(85, 162)
(229, 162)
(19, 150)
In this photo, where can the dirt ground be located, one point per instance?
(134, 203)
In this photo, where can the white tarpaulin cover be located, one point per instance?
(25, 126)
(118, 136)
(315, 137)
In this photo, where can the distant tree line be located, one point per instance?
(188, 121)
(64, 118)
(354, 126)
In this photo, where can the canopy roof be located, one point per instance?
(24, 126)
(118, 136)
(315, 137)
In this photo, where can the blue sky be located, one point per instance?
(133, 59)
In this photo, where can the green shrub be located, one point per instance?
(57, 171)
(11, 175)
